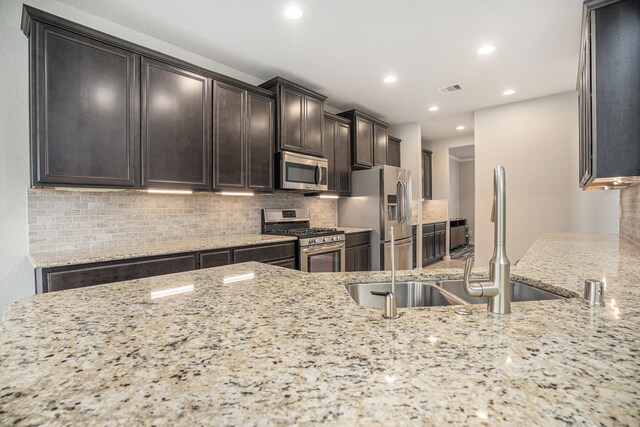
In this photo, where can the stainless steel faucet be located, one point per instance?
(390, 299)
(497, 288)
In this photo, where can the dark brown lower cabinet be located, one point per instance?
(433, 242)
(358, 252)
(78, 276)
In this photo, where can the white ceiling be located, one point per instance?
(343, 49)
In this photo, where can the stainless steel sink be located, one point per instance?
(409, 294)
(519, 292)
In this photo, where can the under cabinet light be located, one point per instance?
(173, 291)
(237, 193)
(329, 196)
(460, 127)
(508, 92)
(166, 191)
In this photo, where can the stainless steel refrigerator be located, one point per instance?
(381, 199)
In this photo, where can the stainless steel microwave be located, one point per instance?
(300, 172)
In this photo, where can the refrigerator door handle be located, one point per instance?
(403, 204)
(399, 195)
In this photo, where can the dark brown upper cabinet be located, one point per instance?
(427, 186)
(84, 110)
(380, 140)
(393, 152)
(299, 117)
(368, 139)
(243, 140)
(608, 88)
(176, 127)
(337, 150)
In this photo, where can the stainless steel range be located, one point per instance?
(319, 249)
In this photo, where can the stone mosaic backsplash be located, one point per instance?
(630, 213)
(435, 211)
(65, 220)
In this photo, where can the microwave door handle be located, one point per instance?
(318, 174)
(320, 169)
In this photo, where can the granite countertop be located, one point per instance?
(257, 344)
(353, 230)
(86, 256)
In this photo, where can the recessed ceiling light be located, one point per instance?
(390, 79)
(293, 12)
(508, 92)
(486, 49)
(434, 108)
(460, 127)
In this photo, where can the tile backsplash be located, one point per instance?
(64, 220)
(435, 211)
(630, 213)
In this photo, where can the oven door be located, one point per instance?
(325, 258)
(299, 172)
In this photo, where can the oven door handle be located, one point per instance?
(318, 249)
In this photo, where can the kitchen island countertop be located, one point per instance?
(256, 344)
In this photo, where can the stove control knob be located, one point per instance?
(312, 241)
(336, 238)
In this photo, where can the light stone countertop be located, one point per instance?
(87, 256)
(258, 344)
(353, 230)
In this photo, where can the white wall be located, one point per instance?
(467, 195)
(537, 142)
(410, 152)
(16, 274)
(454, 188)
(440, 161)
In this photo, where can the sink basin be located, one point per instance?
(519, 292)
(409, 294)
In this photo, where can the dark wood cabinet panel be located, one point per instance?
(260, 142)
(330, 129)
(358, 252)
(433, 242)
(608, 87)
(380, 137)
(97, 275)
(343, 158)
(337, 151)
(313, 126)
(427, 185)
(215, 259)
(299, 117)
(265, 253)
(176, 128)
(393, 151)
(229, 103)
(292, 113)
(84, 111)
(363, 143)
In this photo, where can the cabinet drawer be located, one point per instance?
(440, 226)
(428, 228)
(215, 259)
(358, 239)
(264, 253)
(70, 279)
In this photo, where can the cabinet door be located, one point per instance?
(363, 143)
(363, 258)
(229, 104)
(393, 152)
(291, 120)
(215, 259)
(330, 127)
(428, 248)
(350, 259)
(427, 192)
(313, 126)
(176, 130)
(260, 142)
(380, 137)
(440, 243)
(343, 158)
(85, 115)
